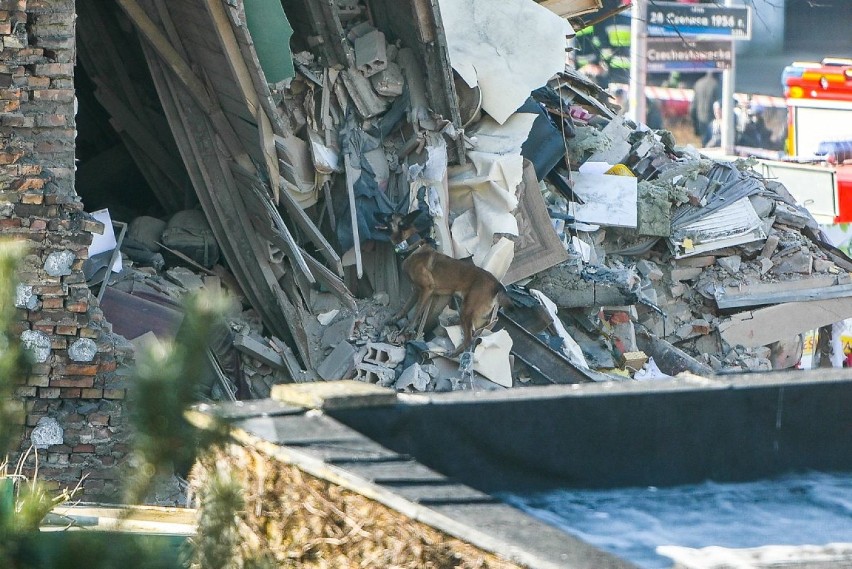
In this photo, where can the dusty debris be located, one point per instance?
(619, 246)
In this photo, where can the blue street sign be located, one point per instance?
(670, 19)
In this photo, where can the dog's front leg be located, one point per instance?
(408, 305)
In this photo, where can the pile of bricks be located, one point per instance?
(74, 377)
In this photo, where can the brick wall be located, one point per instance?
(73, 381)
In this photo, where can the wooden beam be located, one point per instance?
(353, 212)
(219, 196)
(241, 71)
(756, 299)
(300, 218)
(193, 84)
(331, 281)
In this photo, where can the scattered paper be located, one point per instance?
(106, 241)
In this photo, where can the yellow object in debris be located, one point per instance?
(687, 244)
(620, 170)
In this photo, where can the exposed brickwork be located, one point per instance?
(38, 204)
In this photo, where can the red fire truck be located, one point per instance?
(818, 171)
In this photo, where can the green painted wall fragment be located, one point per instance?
(271, 33)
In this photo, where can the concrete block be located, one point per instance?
(258, 351)
(769, 246)
(799, 262)
(371, 53)
(383, 354)
(697, 261)
(338, 332)
(372, 373)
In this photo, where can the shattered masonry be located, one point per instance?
(269, 171)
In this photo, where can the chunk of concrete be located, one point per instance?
(36, 343)
(767, 325)
(58, 263)
(769, 246)
(800, 262)
(185, 278)
(389, 82)
(338, 332)
(785, 354)
(371, 53)
(83, 350)
(46, 433)
(649, 269)
(339, 364)
(414, 378)
(367, 102)
(730, 264)
(686, 273)
(25, 297)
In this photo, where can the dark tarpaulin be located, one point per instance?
(370, 200)
(545, 146)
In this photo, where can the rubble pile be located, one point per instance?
(626, 256)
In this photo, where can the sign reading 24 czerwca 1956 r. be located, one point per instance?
(666, 19)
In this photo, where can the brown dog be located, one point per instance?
(433, 273)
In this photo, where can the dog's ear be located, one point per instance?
(409, 219)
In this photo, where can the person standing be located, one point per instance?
(706, 91)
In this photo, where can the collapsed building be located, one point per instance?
(250, 147)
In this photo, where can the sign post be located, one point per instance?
(696, 37)
(638, 60)
(729, 127)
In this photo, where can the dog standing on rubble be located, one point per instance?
(433, 273)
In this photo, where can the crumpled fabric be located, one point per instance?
(370, 200)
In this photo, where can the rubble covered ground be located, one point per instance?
(627, 257)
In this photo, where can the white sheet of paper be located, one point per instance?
(491, 355)
(105, 242)
(489, 47)
(594, 167)
(610, 200)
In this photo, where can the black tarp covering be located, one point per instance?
(663, 434)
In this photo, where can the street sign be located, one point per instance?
(676, 54)
(667, 19)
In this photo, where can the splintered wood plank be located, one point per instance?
(766, 325)
(343, 394)
(219, 196)
(175, 62)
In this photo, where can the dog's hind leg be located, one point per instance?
(424, 302)
(424, 317)
(408, 305)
